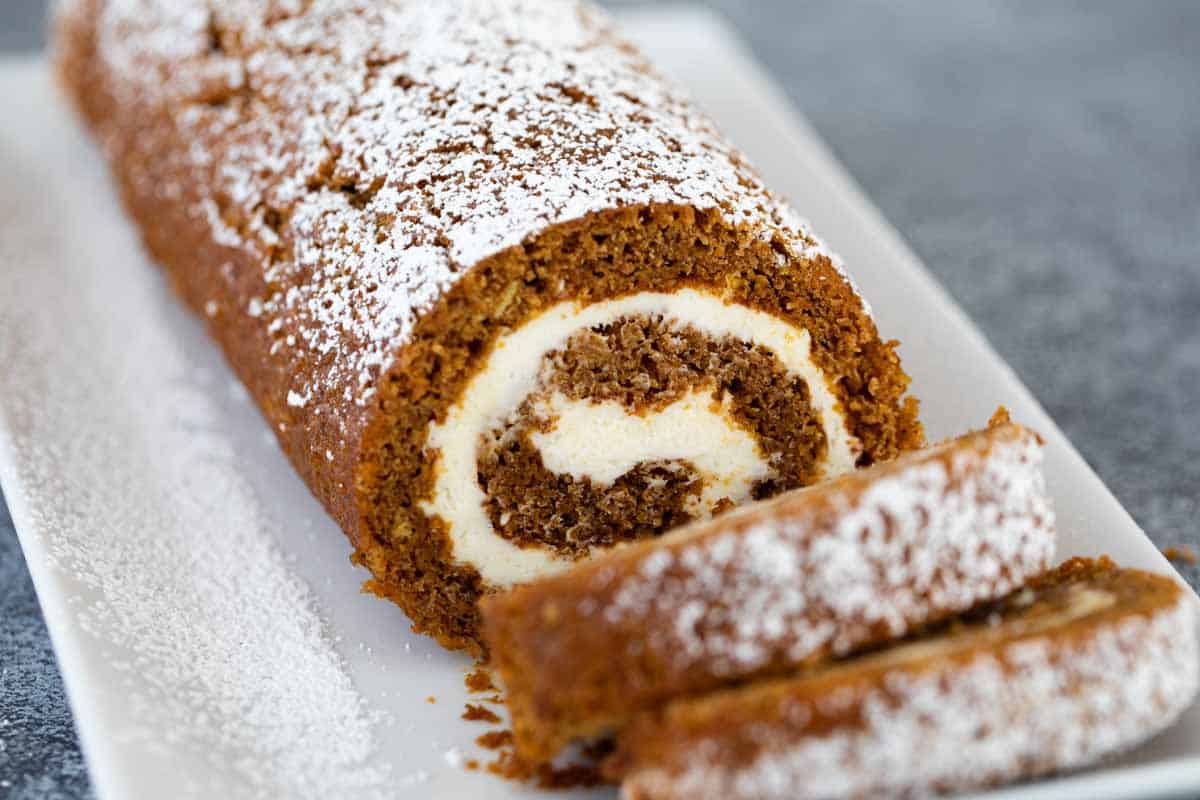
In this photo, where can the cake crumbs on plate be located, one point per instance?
(1180, 554)
(479, 680)
(478, 713)
(494, 740)
(544, 775)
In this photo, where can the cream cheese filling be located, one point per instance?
(511, 374)
(602, 441)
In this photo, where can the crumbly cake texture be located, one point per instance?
(1090, 660)
(363, 199)
(810, 575)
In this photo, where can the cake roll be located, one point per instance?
(810, 575)
(1086, 662)
(505, 296)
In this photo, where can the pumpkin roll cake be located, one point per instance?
(808, 576)
(505, 296)
(1088, 661)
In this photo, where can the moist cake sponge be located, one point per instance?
(810, 575)
(505, 296)
(1090, 660)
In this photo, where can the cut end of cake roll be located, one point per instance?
(505, 296)
(808, 576)
(1089, 660)
(600, 422)
(661, 368)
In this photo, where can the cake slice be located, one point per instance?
(1089, 660)
(810, 575)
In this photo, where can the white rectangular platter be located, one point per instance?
(208, 624)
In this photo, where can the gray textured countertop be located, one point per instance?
(1043, 159)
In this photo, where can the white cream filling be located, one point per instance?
(511, 374)
(602, 441)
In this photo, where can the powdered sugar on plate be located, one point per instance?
(213, 647)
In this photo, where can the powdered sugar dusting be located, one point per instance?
(925, 538)
(368, 153)
(1032, 707)
(216, 653)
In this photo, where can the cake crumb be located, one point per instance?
(494, 740)
(475, 713)
(543, 775)
(1181, 554)
(479, 680)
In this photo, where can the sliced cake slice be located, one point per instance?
(1088, 660)
(810, 575)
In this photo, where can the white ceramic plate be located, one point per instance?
(207, 622)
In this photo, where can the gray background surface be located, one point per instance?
(1042, 158)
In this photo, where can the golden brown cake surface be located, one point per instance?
(1088, 660)
(810, 575)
